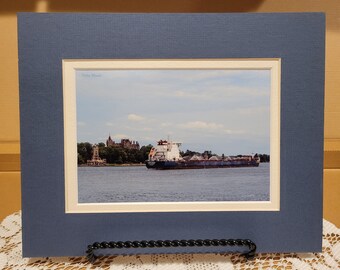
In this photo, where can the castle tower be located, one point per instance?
(96, 160)
(95, 155)
(110, 142)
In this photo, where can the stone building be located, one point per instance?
(124, 143)
(96, 160)
(110, 142)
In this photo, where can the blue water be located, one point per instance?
(139, 184)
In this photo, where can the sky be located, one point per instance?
(223, 111)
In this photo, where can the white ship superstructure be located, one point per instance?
(165, 151)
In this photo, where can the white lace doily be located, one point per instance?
(11, 258)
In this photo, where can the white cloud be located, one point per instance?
(119, 136)
(201, 125)
(81, 124)
(202, 94)
(135, 117)
(233, 132)
(210, 127)
(215, 91)
(149, 105)
(180, 94)
(166, 124)
(254, 110)
(138, 128)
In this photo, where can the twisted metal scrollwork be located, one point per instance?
(171, 243)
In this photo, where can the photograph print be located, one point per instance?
(173, 135)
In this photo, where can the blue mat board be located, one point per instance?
(46, 39)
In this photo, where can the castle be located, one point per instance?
(124, 143)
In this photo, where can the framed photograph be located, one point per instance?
(210, 104)
(171, 126)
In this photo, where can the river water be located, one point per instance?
(139, 184)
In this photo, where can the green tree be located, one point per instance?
(84, 152)
(264, 158)
(144, 152)
(189, 153)
(111, 154)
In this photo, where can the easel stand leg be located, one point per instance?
(171, 243)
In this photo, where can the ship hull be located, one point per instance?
(201, 164)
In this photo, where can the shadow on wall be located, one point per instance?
(10, 6)
(176, 6)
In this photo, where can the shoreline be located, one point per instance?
(125, 165)
(114, 165)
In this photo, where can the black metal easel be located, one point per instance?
(172, 243)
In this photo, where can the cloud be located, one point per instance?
(202, 94)
(119, 136)
(166, 124)
(201, 125)
(81, 124)
(101, 139)
(255, 110)
(233, 132)
(135, 118)
(147, 105)
(210, 127)
(138, 128)
(215, 90)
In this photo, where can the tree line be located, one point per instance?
(209, 154)
(113, 154)
(263, 157)
(120, 155)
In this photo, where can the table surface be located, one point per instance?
(11, 256)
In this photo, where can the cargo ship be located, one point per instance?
(166, 156)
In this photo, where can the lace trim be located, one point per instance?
(11, 256)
